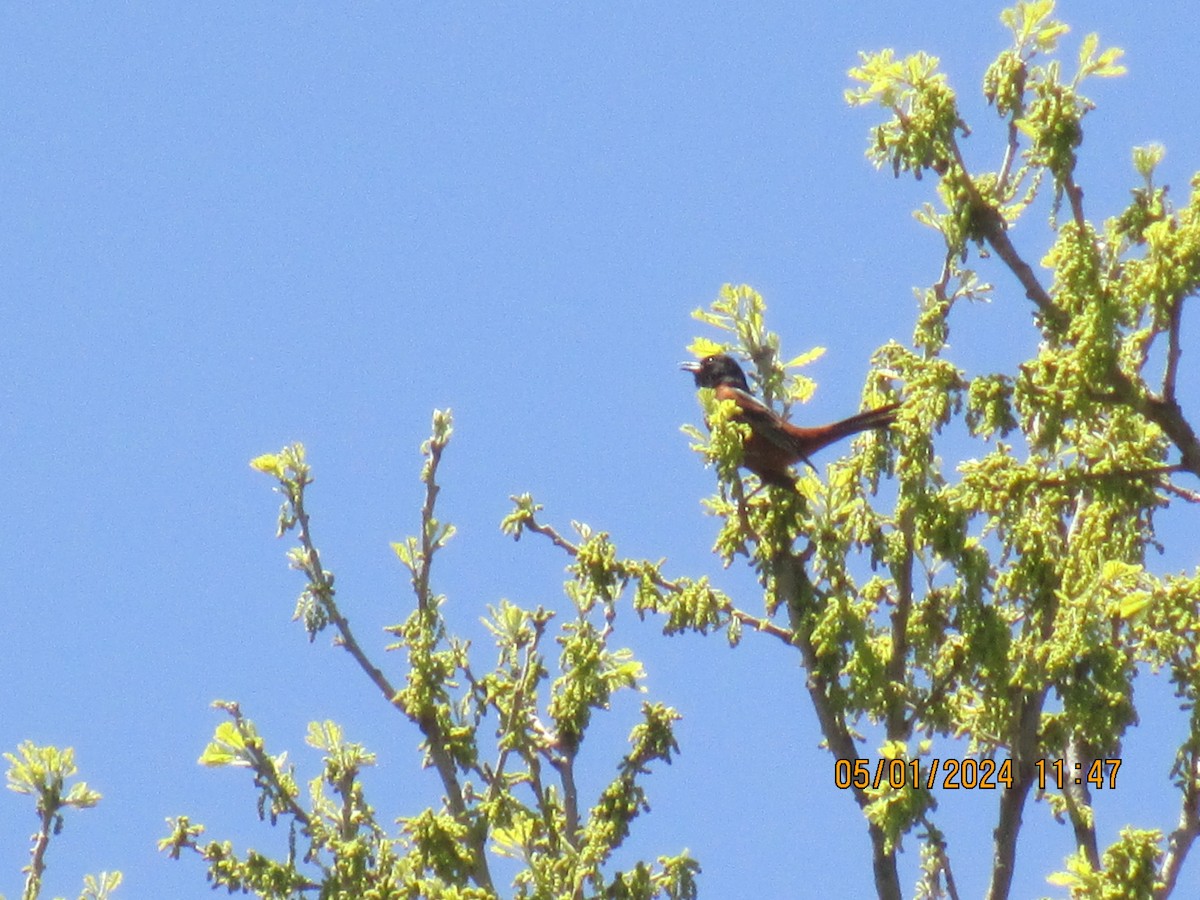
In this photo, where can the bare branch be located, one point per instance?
(763, 625)
(993, 229)
(1014, 133)
(990, 224)
(322, 583)
(565, 764)
(41, 843)
(1182, 493)
(1165, 412)
(548, 531)
(1010, 155)
(1174, 350)
(1078, 799)
(1012, 800)
(1075, 197)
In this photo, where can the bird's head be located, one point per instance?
(716, 370)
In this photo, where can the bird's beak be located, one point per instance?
(692, 367)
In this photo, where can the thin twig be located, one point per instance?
(324, 592)
(548, 531)
(421, 584)
(1014, 133)
(517, 711)
(938, 842)
(37, 862)
(992, 227)
(1182, 493)
(765, 626)
(1174, 350)
(1010, 154)
(1075, 197)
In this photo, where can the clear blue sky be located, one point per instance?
(227, 227)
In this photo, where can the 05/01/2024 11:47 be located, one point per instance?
(968, 773)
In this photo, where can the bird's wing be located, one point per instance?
(766, 423)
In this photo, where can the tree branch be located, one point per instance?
(763, 625)
(1182, 493)
(1184, 836)
(937, 843)
(792, 582)
(321, 582)
(1078, 799)
(992, 228)
(990, 225)
(1012, 800)
(322, 586)
(1174, 350)
(564, 763)
(1163, 411)
(37, 856)
(1075, 197)
(902, 574)
(1010, 154)
(1023, 756)
(1014, 133)
(428, 524)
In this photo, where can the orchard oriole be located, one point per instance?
(775, 444)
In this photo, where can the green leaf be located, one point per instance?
(227, 748)
(1147, 157)
(702, 347)
(268, 464)
(99, 887)
(1134, 603)
(1106, 65)
(1063, 879)
(805, 358)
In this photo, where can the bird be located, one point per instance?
(775, 444)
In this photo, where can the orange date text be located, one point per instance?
(949, 774)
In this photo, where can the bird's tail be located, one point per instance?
(810, 440)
